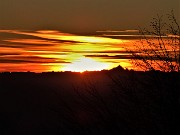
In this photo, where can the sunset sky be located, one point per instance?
(60, 35)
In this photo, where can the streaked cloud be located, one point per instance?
(118, 31)
(127, 56)
(55, 50)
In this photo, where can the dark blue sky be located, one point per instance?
(82, 15)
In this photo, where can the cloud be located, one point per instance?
(8, 53)
(118, 31)
(120, 34)
(34, 42)
(22, 39)
(64, 37)
(112, 57)
(105, 52)
(29, 59)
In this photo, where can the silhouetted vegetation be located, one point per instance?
(159, 47)
(107, 102)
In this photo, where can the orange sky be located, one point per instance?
(47, 50)
(50, 50)
(60, 35)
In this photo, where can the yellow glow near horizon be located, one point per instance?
(85, 64)
(57, 51)
(90, 39)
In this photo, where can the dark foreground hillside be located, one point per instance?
(93, 103)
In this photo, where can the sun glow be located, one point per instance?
(51, 50)
(85, 64)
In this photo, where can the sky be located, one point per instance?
(50, 50)
(81, 16)
(73, 35)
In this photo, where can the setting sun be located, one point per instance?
(85, 64)
(88, 67)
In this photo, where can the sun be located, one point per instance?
(85, 64)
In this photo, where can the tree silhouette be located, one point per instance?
(159, 47)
